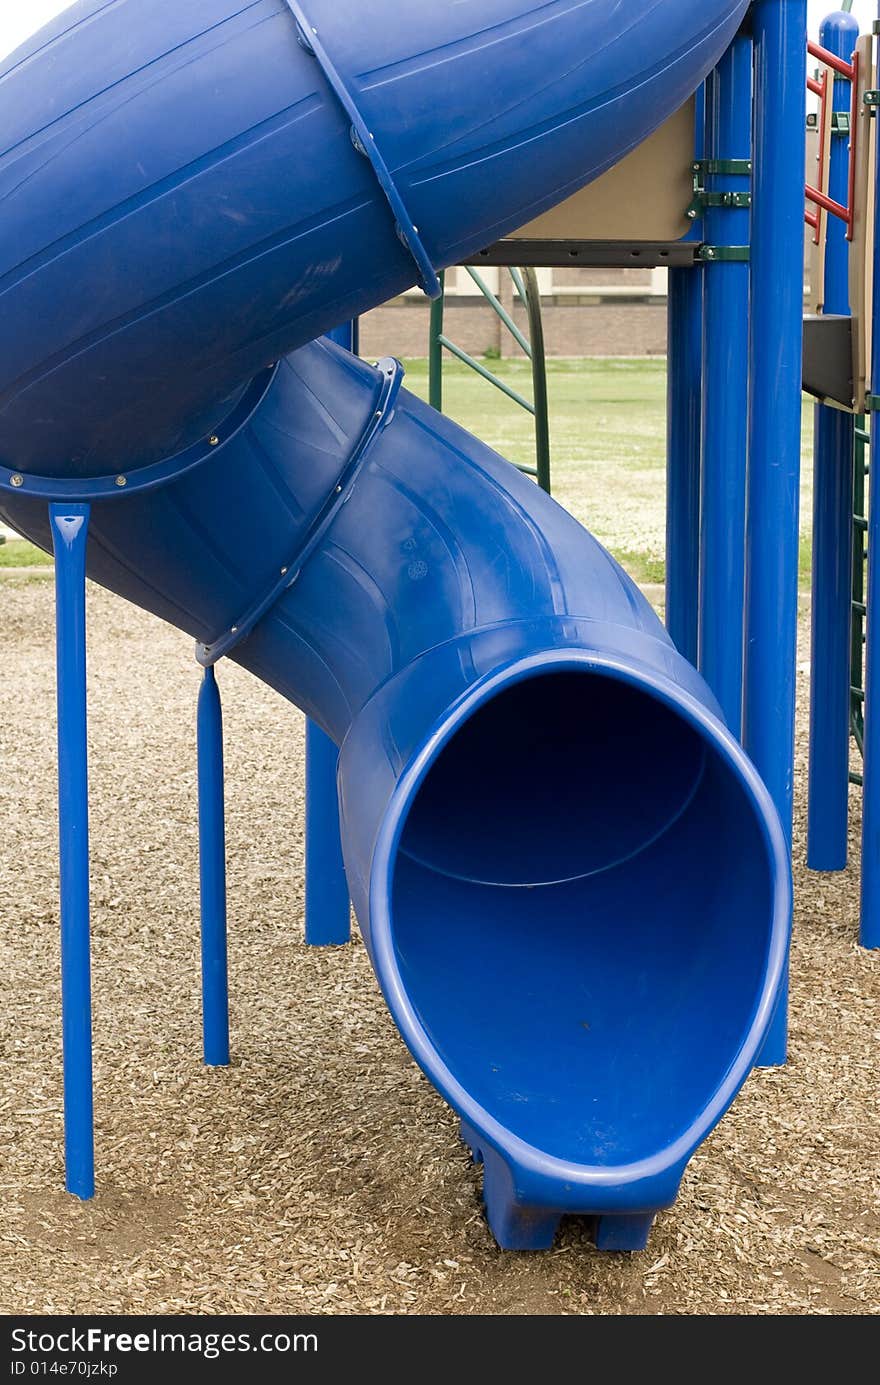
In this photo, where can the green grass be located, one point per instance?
(608, 430)
(18, 553)
(643, 568)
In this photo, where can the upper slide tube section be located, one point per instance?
(189, 191)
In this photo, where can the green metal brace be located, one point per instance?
(703, 198)
(859, 610)
(526, 284)
(716, 254)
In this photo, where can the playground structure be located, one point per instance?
(571, 878)
(843, 651)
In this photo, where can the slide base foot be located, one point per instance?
(514, 1226)
(624, 1232)
(517, 1227)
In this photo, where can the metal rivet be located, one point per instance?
(234, 630)
(338, 490)
(17, 480)
(214, 440)
(378, 413)
(284, 571)
(122, 480)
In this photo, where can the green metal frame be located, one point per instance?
(525, 282)
(860, 526)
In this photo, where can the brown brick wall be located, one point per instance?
(602, 329)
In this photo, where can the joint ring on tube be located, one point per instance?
(83, 489)
(365, 143)
(392, 379)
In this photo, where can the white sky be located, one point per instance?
(19, 18)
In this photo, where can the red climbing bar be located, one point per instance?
(853, 144)
(819, 87)
(828, 204)
(831, 60)
(816, 220)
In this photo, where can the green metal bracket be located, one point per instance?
(840, 123)
(731, 168)
(872, 99)
(719, 254)
(872, 403)
(729, 199)
(704, 199)
(859, 609)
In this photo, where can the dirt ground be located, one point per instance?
(321, 1172)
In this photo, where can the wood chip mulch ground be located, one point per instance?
(321, 1172)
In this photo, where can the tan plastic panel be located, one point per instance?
(816, 249)
(644, 197)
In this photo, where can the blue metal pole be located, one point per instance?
(328, 909)
(726, 383)
(776, 363)
(69, 525)
(683, 453)
(212, 874)
(869, 934)
(832, 528)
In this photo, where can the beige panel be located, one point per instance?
(816, 251)
(644, 197)
(861, 248)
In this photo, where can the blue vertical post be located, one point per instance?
(212, 874)
(684, 434)
(69, 525)
(328, 910)
(869, 935)
(726, 379)
(328, 917)
(776, 365)
(832, 527)
(683, 454)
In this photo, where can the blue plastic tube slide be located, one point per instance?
(572, 884)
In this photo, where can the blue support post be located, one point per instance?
(683, 453)
(776, 364)
(328, 908)
(869, 935)
(832, 527)
(69, 525)
(726, 382)
(212, 874)
(328, 911)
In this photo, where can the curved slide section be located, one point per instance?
(184, 200)
(574, 889)
(573, 886)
